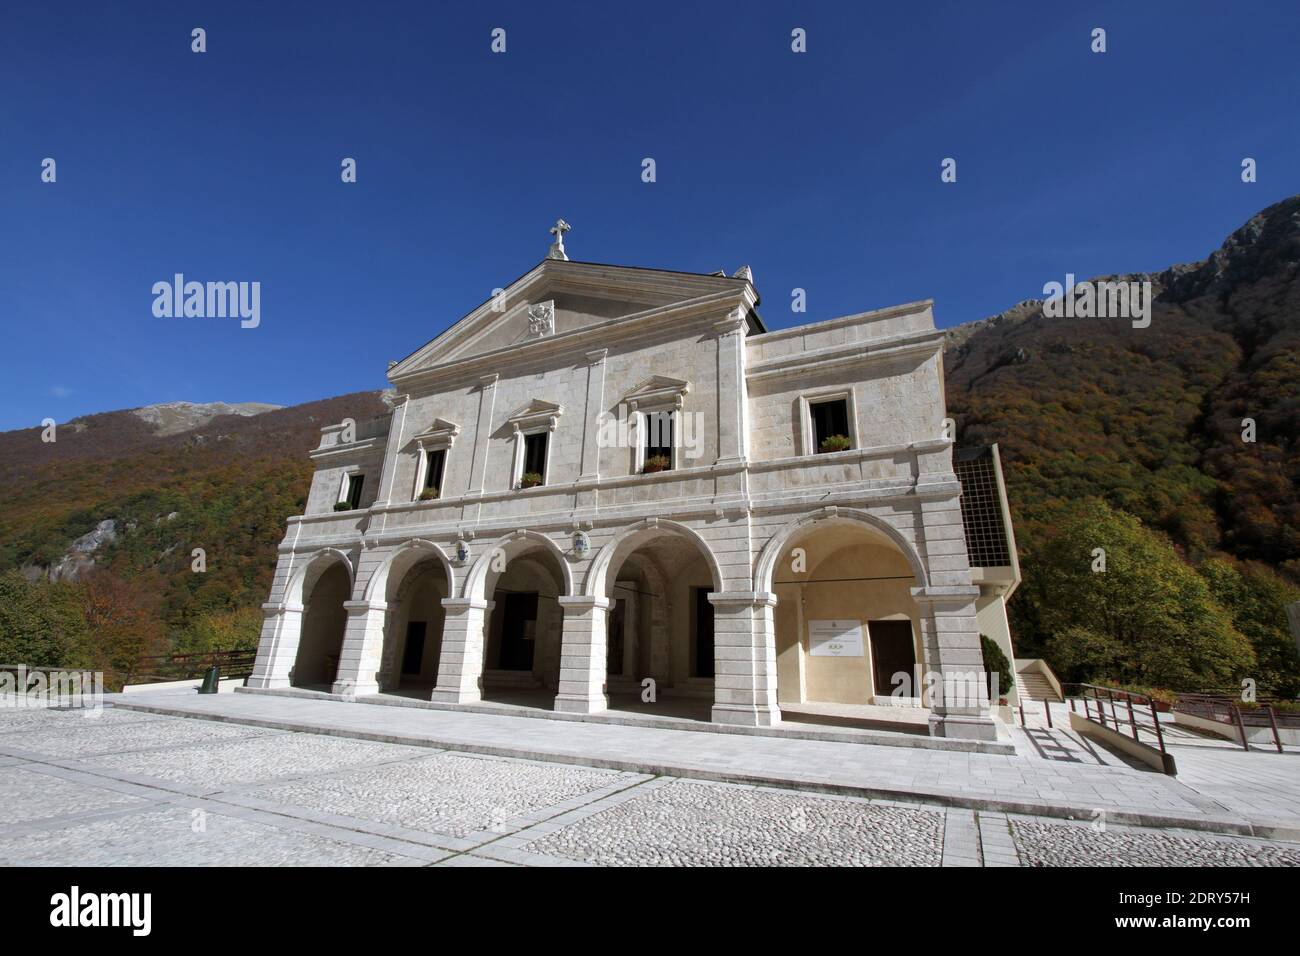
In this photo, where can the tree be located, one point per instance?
(122, 622)
(996, 666)
(1257, 599)
(40, 623)
(1147, 618)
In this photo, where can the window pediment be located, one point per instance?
(658, 390)
(440, 434)
(535, 414)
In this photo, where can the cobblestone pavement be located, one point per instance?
(128, 788)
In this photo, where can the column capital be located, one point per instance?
(584, 602)
(460, 605)
(947, 597)
(743, 598)
(286, 607)
(733, 323)
(361, 607)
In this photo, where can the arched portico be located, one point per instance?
(309, 611)
(654, 580)
(782, 541)
(509, 609)
(856, 621)
(410, 587)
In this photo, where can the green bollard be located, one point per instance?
(211, 680)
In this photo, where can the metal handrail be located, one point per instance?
(1097, 696)
(170, 667)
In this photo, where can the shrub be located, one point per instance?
(836, 443)
(656, 463)
(342, 506)
(530, 479)
(996, 664)
(428, 494)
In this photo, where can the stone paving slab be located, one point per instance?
(114, 736)
(390, 805)
(27, 794)
(697, 824)
(168, 836)
(1060, 774)
(221, 764)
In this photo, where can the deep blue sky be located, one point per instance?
(819, 170)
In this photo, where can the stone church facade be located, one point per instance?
(613, 484)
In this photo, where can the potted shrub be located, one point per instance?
(428, 494)
(342, 506)
(530, 479)
(655, 463)
(997, 665)
(836, 443)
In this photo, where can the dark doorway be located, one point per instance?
(703, 633)
(518, 631)
(413, 653)
(892, 652)
(614, 640)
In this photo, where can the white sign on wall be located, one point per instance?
(835, 638)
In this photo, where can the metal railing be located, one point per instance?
(1228, 708)
(174, 667)
(1122, 711)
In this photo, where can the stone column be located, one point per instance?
(744, 655)
(954, 661)
(460, 664)
(583, 648)
(363, 647)
(278, 646)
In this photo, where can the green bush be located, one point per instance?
(656, 463)
(342, 506)
(530, 479)
(996, 664)
(428, 494)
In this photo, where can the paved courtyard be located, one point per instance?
(135, 788)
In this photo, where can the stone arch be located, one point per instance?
(511, 545)
(403, 559)
(321, 589)
(301, 581)
(765, 568)
(630, 538)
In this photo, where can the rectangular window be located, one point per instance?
(434, 461)
(830, 421)
(535, 455)
(659, 440)
(354, 490)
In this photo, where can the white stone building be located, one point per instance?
(504, 533)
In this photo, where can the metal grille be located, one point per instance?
(981, 508)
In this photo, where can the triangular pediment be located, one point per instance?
(658, 389)
(439, 431)
(558, 298)
(537, 408)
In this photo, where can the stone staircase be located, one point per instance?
(1032, 685)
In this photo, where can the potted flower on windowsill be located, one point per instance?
(428, 494)
(530, 479)
(836, 443)
(655, 463)
(342, 506)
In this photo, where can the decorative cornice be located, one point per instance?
(841, 356)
